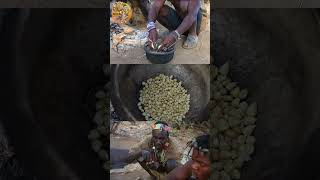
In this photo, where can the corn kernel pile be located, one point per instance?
(164, 98)
(233, 120)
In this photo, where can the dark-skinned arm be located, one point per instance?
(154, 10)
(136, 151)
(132, 157)
(193, 9)
(152, 16)
(180, 173)
(188, 21)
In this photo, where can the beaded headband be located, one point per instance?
(161, 127)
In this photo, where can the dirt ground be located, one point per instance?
(198, 55)
(125, 134)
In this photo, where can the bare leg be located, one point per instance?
(192, 38)
(193, 29)
(166, 17)
(169, 18)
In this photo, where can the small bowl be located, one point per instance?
(159, 57)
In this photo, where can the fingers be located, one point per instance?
(164, 43)
(167, 43)
(161, 47)
(151, 43)
(153, 35)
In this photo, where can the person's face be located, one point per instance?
(200, 165)
(159, 138)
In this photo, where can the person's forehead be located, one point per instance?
(196, 154)
(158, 133)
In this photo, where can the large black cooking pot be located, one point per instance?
(50, 61)
(158, 57)
(127, 82)
(275, 53)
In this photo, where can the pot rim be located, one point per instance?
(158, 53)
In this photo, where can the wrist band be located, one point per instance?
(150, 28)
(174, 35)
(151, 25)
(177, 33)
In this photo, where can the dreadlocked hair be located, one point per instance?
(203, 141)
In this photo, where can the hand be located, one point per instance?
(153, 36)
(146, 155)
(155, 165)
(168, 40)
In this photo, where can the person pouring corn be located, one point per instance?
(157, 154)
(184, 19)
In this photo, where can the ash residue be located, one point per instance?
(125, 37)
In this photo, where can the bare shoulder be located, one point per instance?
(179, 173)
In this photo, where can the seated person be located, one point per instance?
(157, 154)
(184, 19)
(198, 167)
